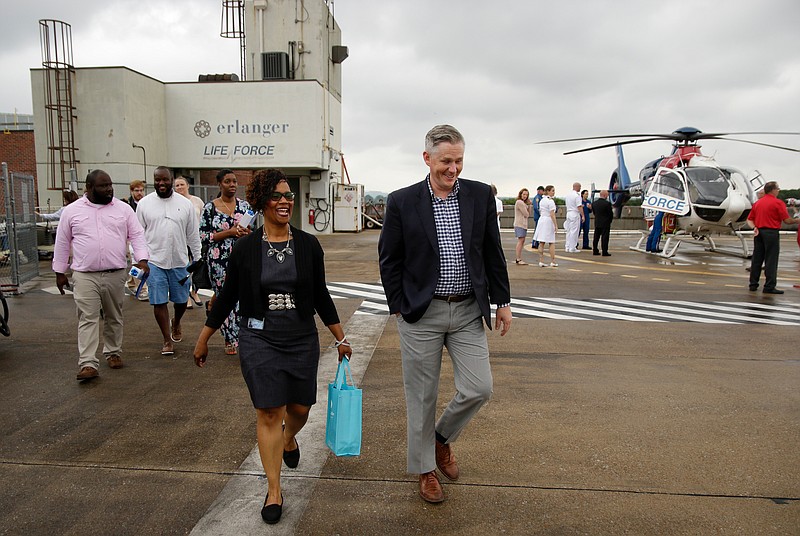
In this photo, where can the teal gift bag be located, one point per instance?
(343, 428)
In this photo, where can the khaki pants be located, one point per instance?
(97, 292)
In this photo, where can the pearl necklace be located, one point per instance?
(280, 256)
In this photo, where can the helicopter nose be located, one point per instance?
(737, 204)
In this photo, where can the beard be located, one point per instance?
(100, 200)
(165, 194)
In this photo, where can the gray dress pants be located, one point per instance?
(459, 328)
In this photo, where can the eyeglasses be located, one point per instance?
(276, 196)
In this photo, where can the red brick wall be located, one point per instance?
(17, 150)
(209, 176)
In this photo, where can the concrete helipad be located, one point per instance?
(633, 395)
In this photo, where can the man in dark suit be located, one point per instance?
(603, 214)
(441, 262)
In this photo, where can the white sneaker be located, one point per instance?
(553, 264)
(543, 265)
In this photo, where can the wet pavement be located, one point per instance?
(633, 395)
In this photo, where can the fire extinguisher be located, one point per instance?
(311, 216)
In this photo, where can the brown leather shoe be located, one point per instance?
(114, 361)
(429, 488)
(446, 461)
(87, 373)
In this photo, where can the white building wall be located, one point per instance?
(115, 107)
(294, 125)
(247, 125)
(271, 25)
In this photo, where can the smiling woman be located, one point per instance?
(277, 276)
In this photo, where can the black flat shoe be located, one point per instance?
(271, 514)
(292, 457)
(197, 302)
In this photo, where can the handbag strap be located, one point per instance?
(342, 371)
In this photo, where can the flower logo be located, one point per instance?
(202, 128)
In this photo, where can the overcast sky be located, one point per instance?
(507, 74)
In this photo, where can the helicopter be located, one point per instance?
(697, 196)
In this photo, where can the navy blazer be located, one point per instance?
(408, 249)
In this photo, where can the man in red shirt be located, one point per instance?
(766, 217)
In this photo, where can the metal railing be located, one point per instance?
(19, 259)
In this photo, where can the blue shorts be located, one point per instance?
(164, 285)
(519, 232)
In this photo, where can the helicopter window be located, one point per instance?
(707, 185)
(668, 183)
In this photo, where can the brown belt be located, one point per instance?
(453, 298)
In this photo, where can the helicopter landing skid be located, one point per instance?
(668, 251)
(744, 253)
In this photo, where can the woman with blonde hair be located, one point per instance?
(522, 211)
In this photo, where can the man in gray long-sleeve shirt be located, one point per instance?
(171, 230)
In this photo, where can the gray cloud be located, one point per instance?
(508, 74)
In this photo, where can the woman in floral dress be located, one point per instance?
(219, 230)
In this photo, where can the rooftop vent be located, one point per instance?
(227, 77)
(274, 65)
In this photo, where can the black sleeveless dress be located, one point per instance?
(279, 361)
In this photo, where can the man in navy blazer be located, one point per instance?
(441, 263)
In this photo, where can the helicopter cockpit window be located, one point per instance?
(668, 183)
(707, 185)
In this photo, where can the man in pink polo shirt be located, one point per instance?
(96, 228)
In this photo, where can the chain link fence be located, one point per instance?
(19, 259)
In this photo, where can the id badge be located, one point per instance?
(255, 323)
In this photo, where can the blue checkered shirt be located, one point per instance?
(453, 272)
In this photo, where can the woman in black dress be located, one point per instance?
(277, 275)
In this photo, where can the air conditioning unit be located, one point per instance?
(274, 66)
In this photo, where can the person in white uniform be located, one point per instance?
(574, 219)
(545, 232)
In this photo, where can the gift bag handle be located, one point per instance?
(342, 371)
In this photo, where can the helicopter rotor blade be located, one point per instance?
(604, 146)
(655, 136)
(759, 143)
(718, 134)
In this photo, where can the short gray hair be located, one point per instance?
(442, 134)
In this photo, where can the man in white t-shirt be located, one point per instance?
(574, 219)
(171, 229)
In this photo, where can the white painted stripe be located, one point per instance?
(367, 286)
(236, 509)
(54, 290)
(333, 289)
(582, 309)
(382, 307)
(762, 314)
(676, 312)
(788, 307)
(604, 308)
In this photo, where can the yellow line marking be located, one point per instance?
(662, 279)
(734, 286)
(574, 270)
(695, 283)
(630, 276)
(600, 273)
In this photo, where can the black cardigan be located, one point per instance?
(243, 281)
